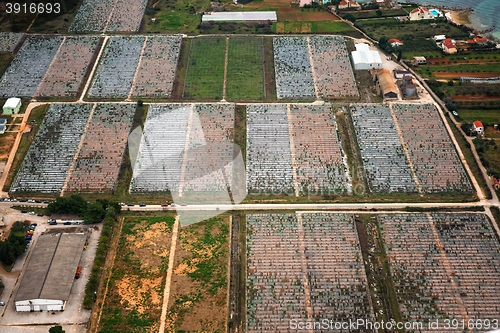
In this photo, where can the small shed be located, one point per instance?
(12, 106)
(419, 60)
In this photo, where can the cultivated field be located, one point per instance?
(318, 273)
(108, 15)
(318, 155)
(156, 72)
(268, 161)
(25, 72)
(384, 160)
(49, 157)
(431, 150)
(99, 159)
(294, 78)
(208, 160)
(65, 75)
(113, 78)
(332, 67)
(198, 292)
(134, 299)
(159, 159)
(443, 266)
(245, 69)
(205, 69)
(10, 40)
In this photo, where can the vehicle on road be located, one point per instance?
(78, 272)
(130, 205)
(23, 200)
(67, 223)
(164, 205)
(183, 204)
(52, 222)
(2, 303)
(142, 205)
(32, 213)
(38, 201)
(122, 203)
(24, 211)
(31, 200)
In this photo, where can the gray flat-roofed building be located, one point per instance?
(50, 272)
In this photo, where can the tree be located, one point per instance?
(56, 329)
(379, 13)
(94, 213)
(350, 17)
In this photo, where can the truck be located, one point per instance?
(78, 272)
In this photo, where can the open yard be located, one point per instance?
(205, 69)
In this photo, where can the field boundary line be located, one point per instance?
(110, 16)
(48, 68)
(168, 279)
(94, 68)
(313, 71)
(292, 150)
(226, 60)
(186, 148)
(77, 152)
(303, 264)
(405, 149)
(110, 258)
(263, 66)
(137, 69)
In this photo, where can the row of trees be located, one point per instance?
(90, 212)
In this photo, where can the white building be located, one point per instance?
(421, 13)
(12, 106)
(365, 59)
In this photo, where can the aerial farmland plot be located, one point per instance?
(10, 40)
(245, 69)
(384, 160)
(117, 67)
(46, 164)
(65, 75)
(269, 160)
(205, 69)
(198, 292)
(159, 159)
(332, 67)
(318, 273)
(99, 159)
(208, 159)
(294, 78)
(320, 159)
(108, 15)
(22, 77)
(431, 150)
(444, 265)
(156, 72)
(135, 295)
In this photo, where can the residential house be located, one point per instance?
(478, 127)
(348, 4)
(449, 46)
(395, 42)
(421, 13)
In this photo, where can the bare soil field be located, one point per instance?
(470, 98)
(295, 14)
(458, 75)
(6, 142)
(134, 299)
(198, 291)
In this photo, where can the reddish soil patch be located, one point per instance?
(474, 98)
(293, 14)
(458, 75)
(446, 61)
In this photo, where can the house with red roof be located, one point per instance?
(395, 42)
(421, 13)
(348, 4)
(449, 46)
(496, 182)
(478, 127)
(480, 40)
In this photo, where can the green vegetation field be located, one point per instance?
(365, 14)
(487, 116)
(245, 69)
(205, 69)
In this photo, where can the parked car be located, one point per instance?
(67, 223)
(22, 200)
(130, 205)
(24, 211)
(173, 205)
(2, 303)
(46, 201)
(164, 205)
(32, 213)
(52, 222)
(29, 237)
(183, 204)
(39, 214)
(142, 205)
(122, 203)
(31, 200)
(38, 201)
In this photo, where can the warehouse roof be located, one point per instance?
(51, 269)
(240, 16)
(12, 102)
(363, 55)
